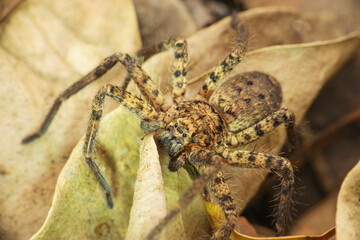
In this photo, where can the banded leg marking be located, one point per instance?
(223, 195)
(133, 103)
(145, 84)
(252, 133)
(95, 74)
(282, 166)
(147, 52)
(179, 81)
(229, 63)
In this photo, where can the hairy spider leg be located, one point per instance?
(104, 66)
(200, 157)
(281, 166)
(178, 80)
(126, 82)
(145, 84)
(228, 64)
(136, 105)
(252, 133)
(148, 51)
(223, 195)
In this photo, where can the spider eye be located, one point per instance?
(176, 125)
(184, 135)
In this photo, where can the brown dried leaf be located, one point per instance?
(348, 207)
(159, 20)
(6, 6)
(317, 219)
(333, 14)
(206, 13)
(44, 47)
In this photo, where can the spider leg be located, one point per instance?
(126, 82)
(222, 194)
(282, 166)
(178, 81)
(145, 84)
(182, 161)
(147, 52)
(229, 63)
(138, 106)
(250, 134)
(198, 156)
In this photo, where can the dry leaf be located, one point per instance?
(44, 47)
(206, 13)
(149, 188)
(333, 13)
(348, 207)
(317, 218)
(6, 6)
(159, 20)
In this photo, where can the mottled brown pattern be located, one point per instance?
(195, 123)
(197, 134)
(246, 99)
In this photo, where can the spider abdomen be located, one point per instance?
(246, 98)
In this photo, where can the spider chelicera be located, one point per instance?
(198, 133)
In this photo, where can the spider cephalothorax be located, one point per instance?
(198, 132)
(193, 122)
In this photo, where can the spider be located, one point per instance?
(198, 134)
